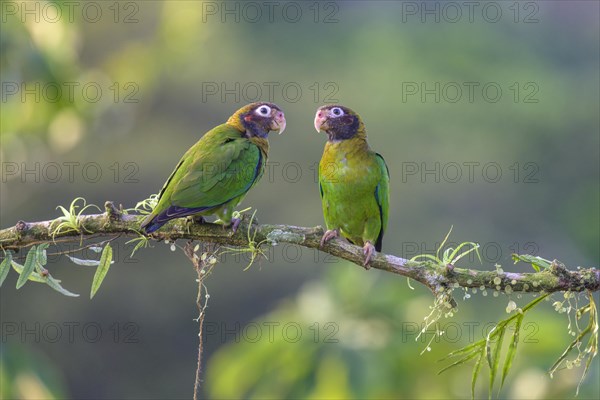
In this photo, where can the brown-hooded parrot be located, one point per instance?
(353, 180)
(215, 174)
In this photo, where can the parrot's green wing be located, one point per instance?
(220, 167)
(218, 173)
(382, 194)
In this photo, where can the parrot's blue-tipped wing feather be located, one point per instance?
(169, 214)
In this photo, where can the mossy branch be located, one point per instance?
(113, 222)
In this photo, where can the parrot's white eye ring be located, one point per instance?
(337, 112)
(264, 111)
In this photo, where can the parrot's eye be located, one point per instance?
(336, 111)
(264, 111)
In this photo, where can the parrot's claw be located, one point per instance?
(235, 223)
(328, 235)
(199, 219)
(368, 251)
(193, 219)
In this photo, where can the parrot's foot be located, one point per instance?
(328, 235)
(368, 251)
(199, 219)
(193, 219)
(234, 224)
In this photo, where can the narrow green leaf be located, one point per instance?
(141, 241)
(476, 370)
(105, 261)
(585, 371)
(466, 349)
(426, 256)
(512, 350)
(41, 258)
(49, 280)
(592, 329)
(592, 347)
(54, 284)
(34, 277)
(437, 254)
(565, 353)
(535, 302)
(496, 360)
(536, 262)
(28, 267)
(85, 263)
(5, 266)
(445, 254)
(582, 311)
(64, 211)
(488, 348)
(459, 362)
(474, 248)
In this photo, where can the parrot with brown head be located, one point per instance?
(217, 172)
(354, 181)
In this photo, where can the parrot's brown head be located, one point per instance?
(339, 122)
(258, 119)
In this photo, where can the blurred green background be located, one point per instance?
(101, 101)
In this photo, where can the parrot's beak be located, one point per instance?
(320, 119)
(278, 123)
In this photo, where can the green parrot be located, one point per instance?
(354, 181)
(215, 174)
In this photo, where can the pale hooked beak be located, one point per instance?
(278, 122)
(320, 118)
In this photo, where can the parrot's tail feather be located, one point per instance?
(149, 226)
(154, 222)
(379, 242)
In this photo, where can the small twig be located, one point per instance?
(112, 211)
(203, 266)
